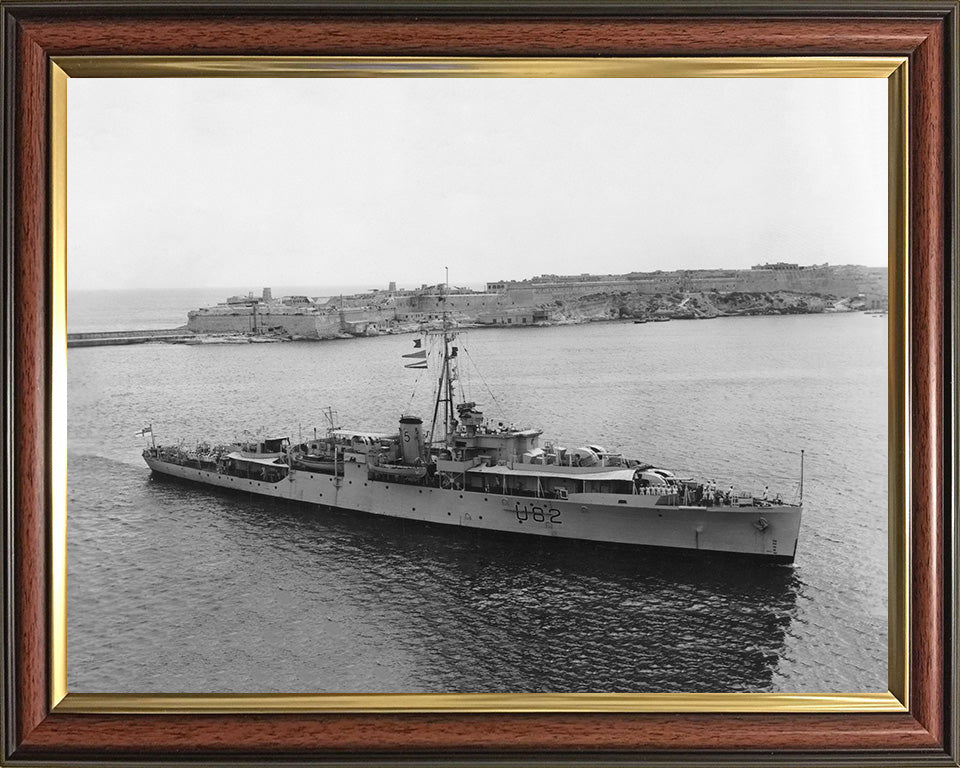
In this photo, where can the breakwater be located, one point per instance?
(114, 338)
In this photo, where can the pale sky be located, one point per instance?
(177, 183)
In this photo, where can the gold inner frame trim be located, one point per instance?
(898, 386)
(435, 66)
(58, 384)
(380, 703)
(893, 69)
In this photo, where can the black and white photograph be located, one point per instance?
(477, 385)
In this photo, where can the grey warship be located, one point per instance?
(470, 472)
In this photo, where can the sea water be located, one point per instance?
(179, 588)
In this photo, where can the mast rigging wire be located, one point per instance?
(493, 397)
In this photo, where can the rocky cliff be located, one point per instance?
(690, 306)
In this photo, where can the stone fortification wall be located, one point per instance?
(429, 306)
(239, 321)
(811, 280)
(546, 292)
(840, 281)
(305, 324)
(364, 319)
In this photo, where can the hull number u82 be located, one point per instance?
(537, 514)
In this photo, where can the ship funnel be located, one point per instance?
(411, 439)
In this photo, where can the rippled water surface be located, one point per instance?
(173, 587)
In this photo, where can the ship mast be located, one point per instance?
(445, 382)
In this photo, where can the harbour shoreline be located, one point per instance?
(183, 335)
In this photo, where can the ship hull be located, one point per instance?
(769, 533)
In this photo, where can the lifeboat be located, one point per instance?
(400, 471)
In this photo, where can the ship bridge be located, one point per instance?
(498, 445)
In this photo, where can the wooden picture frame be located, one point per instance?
(38, 729)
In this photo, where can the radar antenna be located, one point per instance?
(332, 417)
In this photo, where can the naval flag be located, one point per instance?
(144, 431)
(419, 357)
